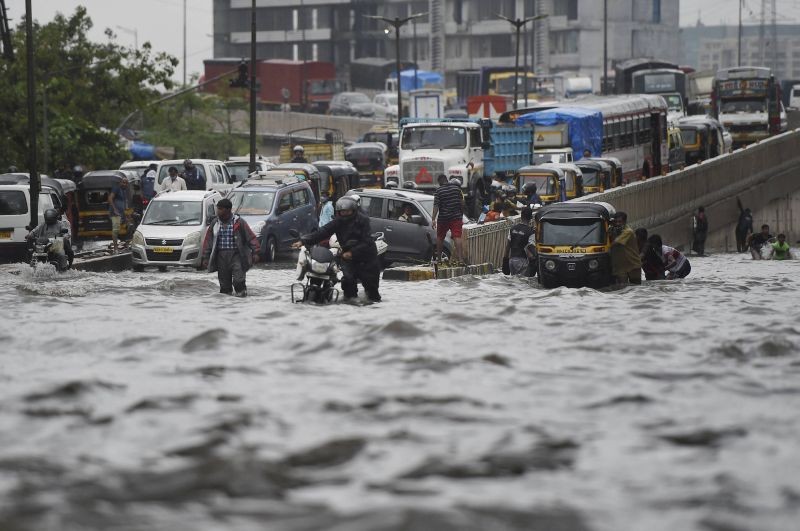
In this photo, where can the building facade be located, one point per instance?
(454, 34)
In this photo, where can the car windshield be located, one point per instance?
(252, 202)
(688, 137)
(164, 171)
(542, 158)
(743, 106)
(573, 231)
(674, 102)
(325, 86)
(358, 97)
(434, 138)
(239, 171)
(544, 184)
(13, 203)
(427, 204)
(166, 212)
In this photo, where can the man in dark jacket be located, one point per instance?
(699, 231)
(744, 228)
(520, 250)
(359, 254)
(230, 248)
(194, 179)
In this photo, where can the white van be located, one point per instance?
(214, 172)
(15, 215)
(794, 97)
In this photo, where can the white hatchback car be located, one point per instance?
(15, 215)
(172, 229)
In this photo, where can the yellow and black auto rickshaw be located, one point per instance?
(390, 136)
(696, 137)
(573, 178)
(616, 170)
(545, 181)
(369, 158)
(337, 179)
(93, 217)
(596, 175)
(573, 244)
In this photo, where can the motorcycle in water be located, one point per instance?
(319, 267)
(48, 250)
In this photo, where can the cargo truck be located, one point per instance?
(747, 101)
(468, 150)
(492, 80)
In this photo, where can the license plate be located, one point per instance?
(571, 267)
(5, 234)
(166, 250)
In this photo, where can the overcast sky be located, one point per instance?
(161, 21)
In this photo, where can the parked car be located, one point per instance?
(15, 215)
(215, 173)
(273, 202)
(409, 241)
(385, 104)
(172, 229)
(139, 166)
(351, 104)
(239, 167)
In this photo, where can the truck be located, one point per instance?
(562, 134)
(412, 79)
(306, 86)
(571, 87)
(747, 100)
(653, 76)
(465, 149)
(370, 73)
(492, 80)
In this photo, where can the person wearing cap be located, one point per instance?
(626, 263)
(173, 182)
(448, 215)
(230, 248)
(117, 203)
(326, 212)
(299, 155)
(194, 180)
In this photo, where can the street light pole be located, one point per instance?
(184, 43)
(605, 48)
(252, 87)
(397, 23)
(135, 33)
(32, 171)
(414, 43)
(739, 60)
(518, 23)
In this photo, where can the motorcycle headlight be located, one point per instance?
(138, 238)
(593, 264)
(192, 239)
(550, 265)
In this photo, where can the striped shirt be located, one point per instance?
(448, 200)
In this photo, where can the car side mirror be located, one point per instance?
(419, 220)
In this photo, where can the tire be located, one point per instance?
(270, 250)
(138, 268)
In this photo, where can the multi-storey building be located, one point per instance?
(454, 34)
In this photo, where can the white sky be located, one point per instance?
(161, 21)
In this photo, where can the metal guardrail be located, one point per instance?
(487, 243)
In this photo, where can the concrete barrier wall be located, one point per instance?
(757, 174)
(276, 123)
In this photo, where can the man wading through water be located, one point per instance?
(230, 248)
(626, 264)
(448, 214)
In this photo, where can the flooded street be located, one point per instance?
(148, 401)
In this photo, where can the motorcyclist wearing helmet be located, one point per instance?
(359, 254)
(52, 228)
(299, 155)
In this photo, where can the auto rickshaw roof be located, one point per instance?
(367, 146)
(566, 166)
(309, 169)
(333, 163)
(596, 165)
(67, 185)
(527, 170)
(575, 209)
(102, 178)
(338, 171)
(608, 160)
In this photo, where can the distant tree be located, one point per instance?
(90, 88)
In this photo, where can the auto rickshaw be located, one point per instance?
(309, 172)
(573, 177)
(616, 170)
(696, 146)
(390, 136)
(596, 174)
(573, 244)
(369, 158)
(337, 179)
(93, 217)
(545, 181)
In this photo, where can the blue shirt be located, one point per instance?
(225, 241)
(120, 201)
(326, 214)
(149, 184)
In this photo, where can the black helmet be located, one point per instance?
(346, 203)
(12, 169)
(50, 216)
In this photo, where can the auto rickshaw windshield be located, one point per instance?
(544, 183)
(688, 137)
(572, 231)
(590, 177)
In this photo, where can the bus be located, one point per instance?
(634, 130)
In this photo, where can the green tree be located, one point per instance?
(88, 87)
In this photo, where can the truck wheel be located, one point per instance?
(270, 250)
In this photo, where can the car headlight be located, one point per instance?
(593, 264)
(258, 227)
(138, 238)
(550, 265)
(192, 239)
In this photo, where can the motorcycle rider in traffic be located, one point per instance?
(52, 228)
(359, 257)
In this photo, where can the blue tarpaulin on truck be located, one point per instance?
(425, 78)
(585, 127)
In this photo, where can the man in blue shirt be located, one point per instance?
(326, 213)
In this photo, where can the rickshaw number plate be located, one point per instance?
(162, 249)
(571, 266)
(5, 234)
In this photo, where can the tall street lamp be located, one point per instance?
(518, 24)
(397, 23)
(131, 31)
